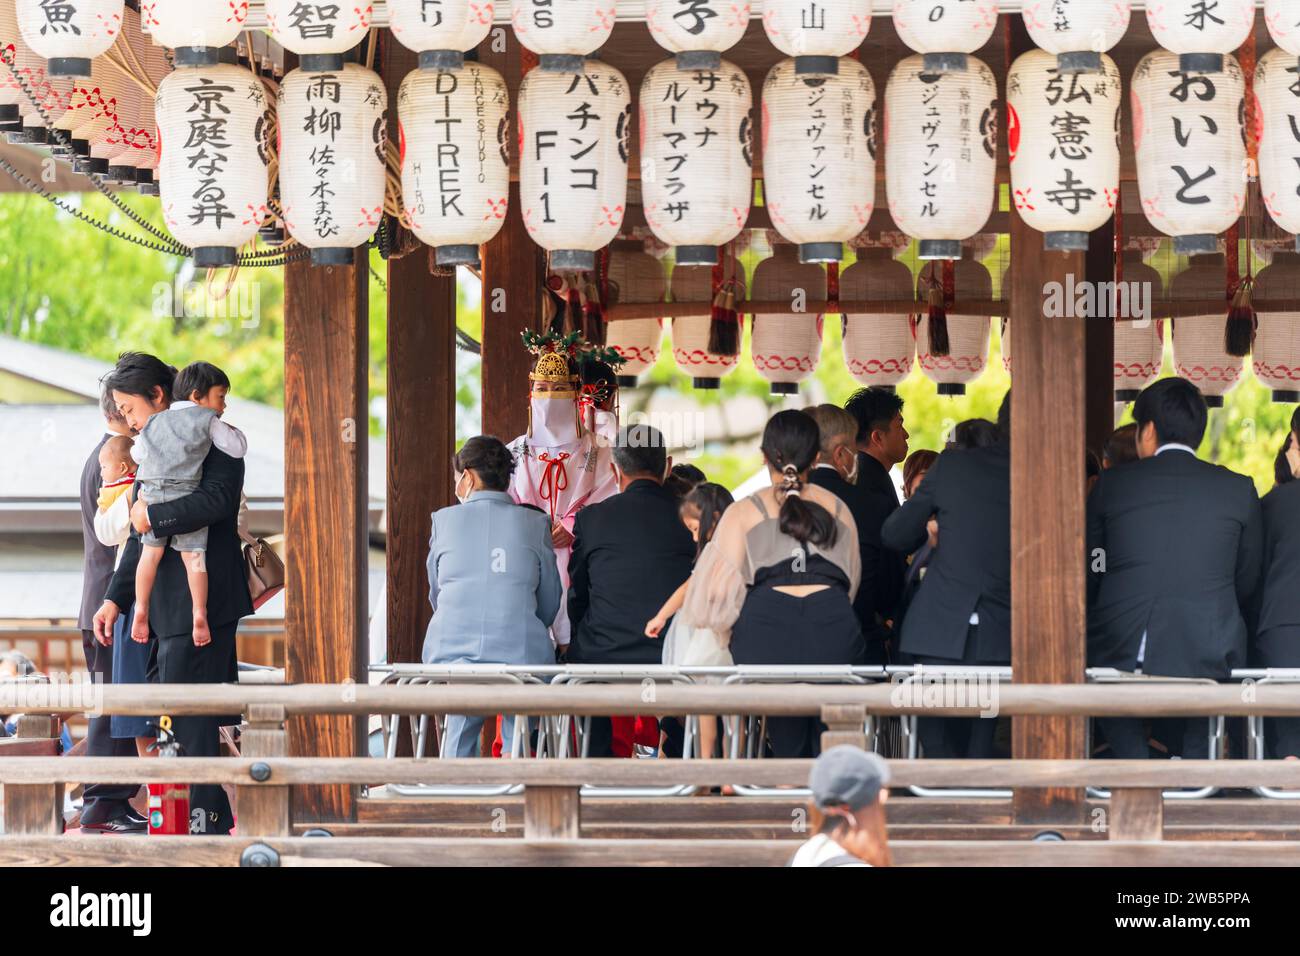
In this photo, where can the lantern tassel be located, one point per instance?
(937, 320)
(573, 318)
(593, 317)
(724, 323)
(1239, 332)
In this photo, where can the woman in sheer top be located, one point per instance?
(780, 574)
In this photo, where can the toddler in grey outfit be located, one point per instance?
(169, 452)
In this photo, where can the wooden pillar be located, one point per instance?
(421, 430)
(263, 810)
(326, 421)
(1099, 388)
(514, 271)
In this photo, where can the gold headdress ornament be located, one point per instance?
(559, 357)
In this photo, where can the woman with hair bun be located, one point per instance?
(493, 582)
(780, 574)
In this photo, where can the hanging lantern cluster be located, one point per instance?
(691, 333)
(1201, 32)
(941, 135)
(562, 34)
(967, 336)
(440, 32)
(635, 277)
(455, 127)
(785, 346)
(1198, 340)
(11, 94)
(70, 35)
(696, 157)
(574, 134)
(1063, 139)
(1276, 353)
(819, 156)
(213, 127)
(878, 349)
(319, 31)
(698, 32)
(1077, 32)
(816, 35)
(945, 31)
(333, 143)
(195, 30)
(1277, 117)
(138, 146)
(1189, 141)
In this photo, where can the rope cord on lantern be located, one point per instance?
(61, 137)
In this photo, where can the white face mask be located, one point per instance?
(456, 490)
(555, 421)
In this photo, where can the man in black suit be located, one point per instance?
(1276, 621)
(1174, 553)
(630, 553)
(140, 384)
(962, 611)
(104, 807)
(835, 470)
(881, 444)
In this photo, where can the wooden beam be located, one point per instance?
(514, 270)
(1136, 813)
(552, 813)
(421, 430)
(327, 426)
(1099, 334)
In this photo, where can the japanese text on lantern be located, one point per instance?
(314, 21)
(323, 122)
(1191, 136)
(207, 150)
(694, 97)
(583, 129)
(60, 17)
(1071, 135)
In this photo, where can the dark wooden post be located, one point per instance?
(33, 809)
(263, 810)
(421, 417)
(514, 270)
(1136, 813)
(326, 420)
(1099, 390)
(552, 813)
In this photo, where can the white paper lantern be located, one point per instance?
(696, 156)
(944, 31)
(11, 94)
(1283, 19)
(1201, 32)
(1076, 32)
(319, 31)
(1062, 134)
(941, 147)
(213, 127)
(878, 349)
(1139, 345)
(1276, 353)
(126, 97)
(574, 134)
(195, 29)
(635, 277)
(454, 127)
(1277, 115)
(563, 32)
(92, 109)
(53, 94)
(1190, 149)
(440, 31)
(70, 33)
(333, 140)
(968, 335)
(1199, 354)
(819, 156)
(690, 333)
(816, 34)
(785, 346)
(699, 31)
(136, 146)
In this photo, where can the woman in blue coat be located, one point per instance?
(493, 581)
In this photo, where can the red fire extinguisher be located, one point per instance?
(169, 803)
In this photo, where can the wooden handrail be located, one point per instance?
(1135, 698)
(280, 771)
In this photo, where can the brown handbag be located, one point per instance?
(265, 572)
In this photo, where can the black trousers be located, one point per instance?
(1127, 737)
(949, 738)
(1280, 647)
(180, 662)
(102, 801)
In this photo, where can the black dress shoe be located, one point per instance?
(122, 824)
(136, 818)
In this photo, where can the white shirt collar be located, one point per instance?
(822, 464)
(182, 404)
(1175, 446)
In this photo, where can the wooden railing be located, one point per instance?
(263, 774)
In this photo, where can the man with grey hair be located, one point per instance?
(631, 552)
(836, 471)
